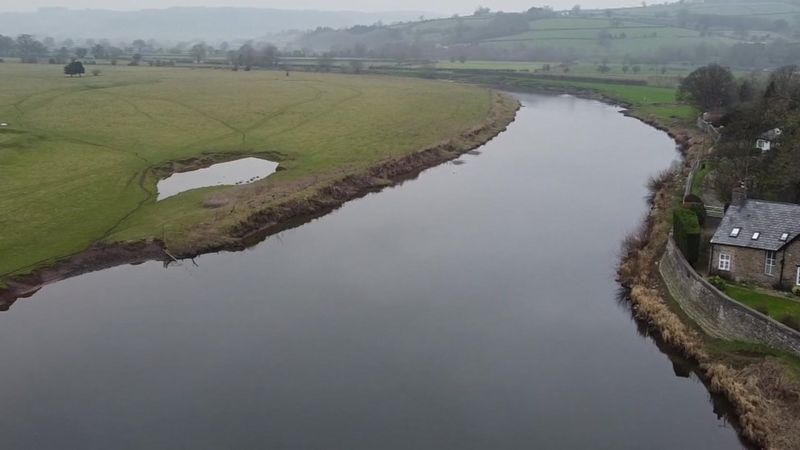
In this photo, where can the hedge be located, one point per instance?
(686, 232)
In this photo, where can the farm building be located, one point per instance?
(757, 241)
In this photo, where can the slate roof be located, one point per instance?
(771, 135)
(770, 219)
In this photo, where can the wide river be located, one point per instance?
(474, 307)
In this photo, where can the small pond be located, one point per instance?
(472, 308)
(241, 171)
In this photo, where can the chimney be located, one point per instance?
(739, 195)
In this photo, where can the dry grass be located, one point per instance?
(764, 397)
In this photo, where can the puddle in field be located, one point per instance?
(241, 171)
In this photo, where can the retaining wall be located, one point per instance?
(718, 314)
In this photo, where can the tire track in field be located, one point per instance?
(142, 175)
(234, 130)
(333, 107)
(283, 110)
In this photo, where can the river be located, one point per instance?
(474, 307)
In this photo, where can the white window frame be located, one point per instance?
(797, 279)
(770, 262)
(725, 260)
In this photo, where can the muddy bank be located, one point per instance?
(764, 398)
(98, 257)
(296, 208)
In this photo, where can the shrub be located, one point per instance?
(96, 72)
(699, 210)
(796, 291)
(718, 283)
(686, 230)
(791, 322)
(659, 180)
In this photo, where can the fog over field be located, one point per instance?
(441, 6)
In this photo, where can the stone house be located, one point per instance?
(768, 139)
(757, 241)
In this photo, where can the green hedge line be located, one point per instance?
(686, 232)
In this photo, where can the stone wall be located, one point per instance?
(718, 314)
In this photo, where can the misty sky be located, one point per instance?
(438, 6)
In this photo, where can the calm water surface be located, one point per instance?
(472, 308)
(240, 171)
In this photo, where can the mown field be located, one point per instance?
(581, 35)
(78, 157)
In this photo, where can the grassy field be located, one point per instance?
(581, 35)
(78, 156)
(777, 307)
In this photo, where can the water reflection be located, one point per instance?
(472, 308)
(240, 171)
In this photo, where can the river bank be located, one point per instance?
(299, 202)
(446, 312)
(762, 390)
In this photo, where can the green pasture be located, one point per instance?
(77, 159)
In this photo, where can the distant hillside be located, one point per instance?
(745, 32)
(184, 23)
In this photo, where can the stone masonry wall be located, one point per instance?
(747, 264)
(718, 314)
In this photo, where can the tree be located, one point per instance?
(30, 50)
(7, 45)
(709, 88)
(269, 55)
(114, 52)
(99, 51)
(81, 52)
(74, 68)
(784, 85)
(62, 55)
(576, 10)
(247, 55)
(199, 52)
(139, 45)
(137, 58)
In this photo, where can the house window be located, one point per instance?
(735, 232)
(784, 237)
(725, 262)
(797, 281)
(769, 264)
(756, 235)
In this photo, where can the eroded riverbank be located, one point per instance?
(296, 203)
(763, 391)
(474, 307)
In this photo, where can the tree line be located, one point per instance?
(748, 107)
